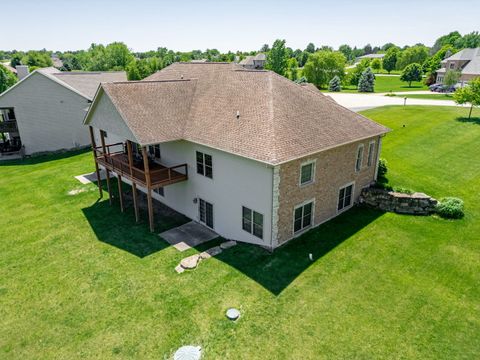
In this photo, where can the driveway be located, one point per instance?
(359, 102)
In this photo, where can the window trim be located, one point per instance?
(263, 222)
(371, 153)
(203, 163)
(312, 180)
(312, 220)
(360, 146)
(157, 191)
(345, 208)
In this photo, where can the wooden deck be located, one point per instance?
(160, 175)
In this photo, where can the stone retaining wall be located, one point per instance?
(415, 204)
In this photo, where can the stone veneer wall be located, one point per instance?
(334, 169)
(415, 204)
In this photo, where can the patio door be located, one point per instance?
(205, 210)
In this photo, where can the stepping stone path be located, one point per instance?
(192, 261)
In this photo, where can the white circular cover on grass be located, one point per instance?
(188, 352)
(233, 314)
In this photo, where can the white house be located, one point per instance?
(45, 110)
(248, 153)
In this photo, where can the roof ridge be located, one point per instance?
(148, 81)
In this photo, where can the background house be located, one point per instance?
(45, 110)
(249, 154)
(466, 61)
(254, 62)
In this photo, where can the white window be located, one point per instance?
(345, 197)
(303, 216)
(204, 165)
(160, 191)
(307, 173)
(452, 65)
(359, 161)
(371, 153)
(252, 222)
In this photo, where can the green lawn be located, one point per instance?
(388, 84)
(80, 280)
(432, 96)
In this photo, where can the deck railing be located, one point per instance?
(160, 175)
(8, 126)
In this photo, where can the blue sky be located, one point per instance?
(230, 25)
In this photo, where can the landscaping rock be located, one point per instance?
(391, 201)
(190, 262)
(228, 244)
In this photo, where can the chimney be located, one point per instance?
(22, 71)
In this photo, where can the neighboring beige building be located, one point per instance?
(467, 61)
(254, 62)
(249, 154)
(45, 110)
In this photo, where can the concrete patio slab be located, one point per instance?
(91, 177)
(188, 235)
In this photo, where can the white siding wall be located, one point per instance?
(49, 116)
(236, 182)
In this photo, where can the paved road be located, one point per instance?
(359, 102)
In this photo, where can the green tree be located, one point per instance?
(469, 94)
(367, 81)
(293, 69)
(310, 48)
(415, 54)
(347, 51)
(451, 77)
(412, 72)
(7, 79)
(37, 59)
(390, 59)
(276, 58)
(354, 76)
(118, 56)
(471, 40)
(335, 84)
(323, 65)
(376, 65)
(16, 59)
(449, 39)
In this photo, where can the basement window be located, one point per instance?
(303, 217)
(252, 222)
(345, 195)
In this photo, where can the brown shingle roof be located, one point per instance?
(279, 120)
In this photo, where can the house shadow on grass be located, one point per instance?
(118, 229)
(275, 271)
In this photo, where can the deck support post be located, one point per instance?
(134, 186)
(97, 170)
(104, 148)
(120, 193)
(148, 180)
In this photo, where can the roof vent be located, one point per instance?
(181, 76)
(238, 114)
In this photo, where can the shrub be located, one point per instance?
(450, 208)
(367, 81)
(403, 190)
(382, 167)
